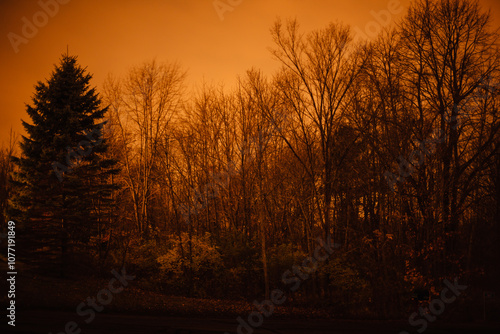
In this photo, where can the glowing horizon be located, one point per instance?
(111, 37)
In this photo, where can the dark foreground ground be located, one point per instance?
(42, 321)
(49, 305)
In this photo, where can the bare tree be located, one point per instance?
(6, 168)
(319, 70)
(144, 104)
(451, 62)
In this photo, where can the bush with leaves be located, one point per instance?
(349, 286)
(281, 258)
(191, 264)
(243, 275)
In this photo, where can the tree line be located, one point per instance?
(389, 148)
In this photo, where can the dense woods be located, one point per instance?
(387, 149)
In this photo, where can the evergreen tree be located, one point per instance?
(64, 193)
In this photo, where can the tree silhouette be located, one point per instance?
(63, 178)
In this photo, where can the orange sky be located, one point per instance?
(110, 36)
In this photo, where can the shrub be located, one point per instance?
(191, 268)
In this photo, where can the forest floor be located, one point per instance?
(47, 304)
(52, 293)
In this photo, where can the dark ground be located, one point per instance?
(41, 321)
(48, 304)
